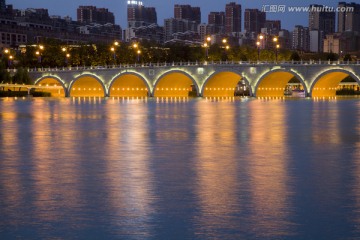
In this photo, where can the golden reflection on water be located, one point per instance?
(129, 175)
(10, 176)
(216, 166)
(55, 164)
(268, 168)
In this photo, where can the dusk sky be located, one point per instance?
(165, 8)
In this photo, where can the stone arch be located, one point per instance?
(129, 84)
(52, 84)
(215, 86)
(273, 83)
(175, 84)
(326, 83)
(87, 85)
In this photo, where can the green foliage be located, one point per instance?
(4, 74)
(295, 56)
(151, 52)
(21, 76)
(347, 57)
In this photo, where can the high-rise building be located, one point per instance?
(217, 19)
(254, 20)
(187, 12)
(138, 15)
(274, 26)
(232, 18)
(320, 18)
(349, 17)
(2, 6)
(301, 38)
(173, 28)
(91, 14)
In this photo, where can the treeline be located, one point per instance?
(58, 54)
(20, 77)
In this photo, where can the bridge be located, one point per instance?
(208, 79)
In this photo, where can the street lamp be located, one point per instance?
(67, 58)
(258, 50)
(259, 44)
(38, 53)
(138, 55)
(275, 40)
(112, 49)
(10, 60)
(207, 45)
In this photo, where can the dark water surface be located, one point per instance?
(179, 169)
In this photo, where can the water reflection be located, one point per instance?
(179, 168)
(268, 170)
(217, 165)
(127, 168)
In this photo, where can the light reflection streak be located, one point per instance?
(216, 167)
(10, 175)
(269, 178)
(127, 162)
(55, 165)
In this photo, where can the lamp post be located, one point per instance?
(67, 58)
(259, 44)
(9, 56)
(137, 50)
(38, 53)
(207, 45)
(138, 55)
(113, 49)
(275, 40)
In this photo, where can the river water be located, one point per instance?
(76, 168)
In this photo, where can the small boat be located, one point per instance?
(298, 93)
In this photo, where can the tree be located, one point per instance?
(295, 56)
(4, 74)
(21, 76)
(347, 57)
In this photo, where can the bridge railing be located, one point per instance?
(184, 64)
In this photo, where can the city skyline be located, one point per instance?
(162, 8)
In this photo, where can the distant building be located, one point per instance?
(151, 32)
(172, 28)
(321, 19)
(254, 20)
(284, 39)
(273, 26)
(332, 43)
(205, 30)
(349, 20)
(217, 19)
(138, 15)
(2, 6)
(187, 12)
(300, 38)
(232, 18)
(91, 14)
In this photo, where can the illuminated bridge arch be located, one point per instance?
(129, 84)
(274, 82)
(175, 84)
(326, 83)
(53, 85)
(223, 84)
(87, 85)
